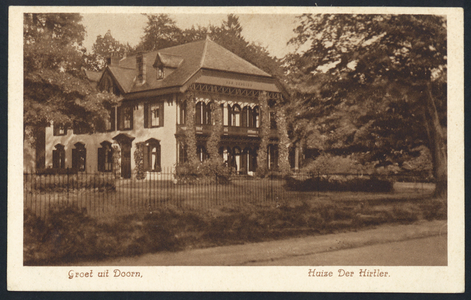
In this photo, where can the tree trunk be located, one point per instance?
(438, 147)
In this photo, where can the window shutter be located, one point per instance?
(120, 119)
(198, 113)
(146, 115)
(101, 159)
(229, 115)
(55, 159)
(112, 119)
(146, 158)
(132, 116)
(74, 158)
(161, 114)
(159, 168)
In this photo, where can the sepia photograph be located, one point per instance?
(284, 149)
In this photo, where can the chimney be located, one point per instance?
(141, 67)
(113, 60)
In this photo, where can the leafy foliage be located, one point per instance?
(55, 87)
(366, 80)
(104, 47)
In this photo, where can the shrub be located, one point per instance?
(205, 172)
(61, 182)
(339, 183)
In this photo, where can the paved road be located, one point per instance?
(423, 243)
(431, 251)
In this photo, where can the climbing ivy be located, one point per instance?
(264, 135)
(116, 160)
(139, 160)
(215, 137)
(284, 142)
(190, 131)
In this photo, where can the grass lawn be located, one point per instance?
(135, 196)
(172, 219)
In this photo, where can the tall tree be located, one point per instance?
(104, 47)
(55, 87)
(160, 32)
(372, 81)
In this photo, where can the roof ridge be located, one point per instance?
(204, 52)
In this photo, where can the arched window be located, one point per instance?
(255, 117)
(202, 153)
(58, 157)
(207, 114)
(199, 113)
(79, 157)
(272, 157)
(246, 113)
(152, 154)
(235, 116)
(105, 157)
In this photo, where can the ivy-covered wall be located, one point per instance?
(284, 142)
(264, 135)
(190, 131)
(213, 142)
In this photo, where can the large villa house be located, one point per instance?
(154, 88)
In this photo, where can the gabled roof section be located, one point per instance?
(187, 60)
(219, 58)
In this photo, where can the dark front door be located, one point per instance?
(126, 160)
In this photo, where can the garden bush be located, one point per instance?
(205, 172)
(340, 183)
(61, 182)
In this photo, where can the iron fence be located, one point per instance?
(104, 193)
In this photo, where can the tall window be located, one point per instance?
(235, 115)
(105, 157)
(125, 117)
(202, 153)
(59, 129)
(154, 114)
(152, 156)
(246, 112)
(272, 120)
(109, 123)
(182, 113)
(273, 157)
(79, 157)
(256, 117)
(182, 153)
(58, 157)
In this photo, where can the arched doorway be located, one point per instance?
(125, 142)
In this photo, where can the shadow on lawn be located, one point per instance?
(70, 235)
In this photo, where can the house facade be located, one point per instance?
(161, 91)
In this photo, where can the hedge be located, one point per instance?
(340, 183)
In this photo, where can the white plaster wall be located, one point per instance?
(165, 134)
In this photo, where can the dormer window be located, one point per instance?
(160, 73)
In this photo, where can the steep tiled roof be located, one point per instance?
(188, 60)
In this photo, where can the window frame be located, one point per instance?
(105, 153)
(148, 114)
(56, 127)
(148, 155)
(121, 117)
(79, 152)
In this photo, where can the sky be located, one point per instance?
(269, 30)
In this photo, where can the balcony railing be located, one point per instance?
(229, 130)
